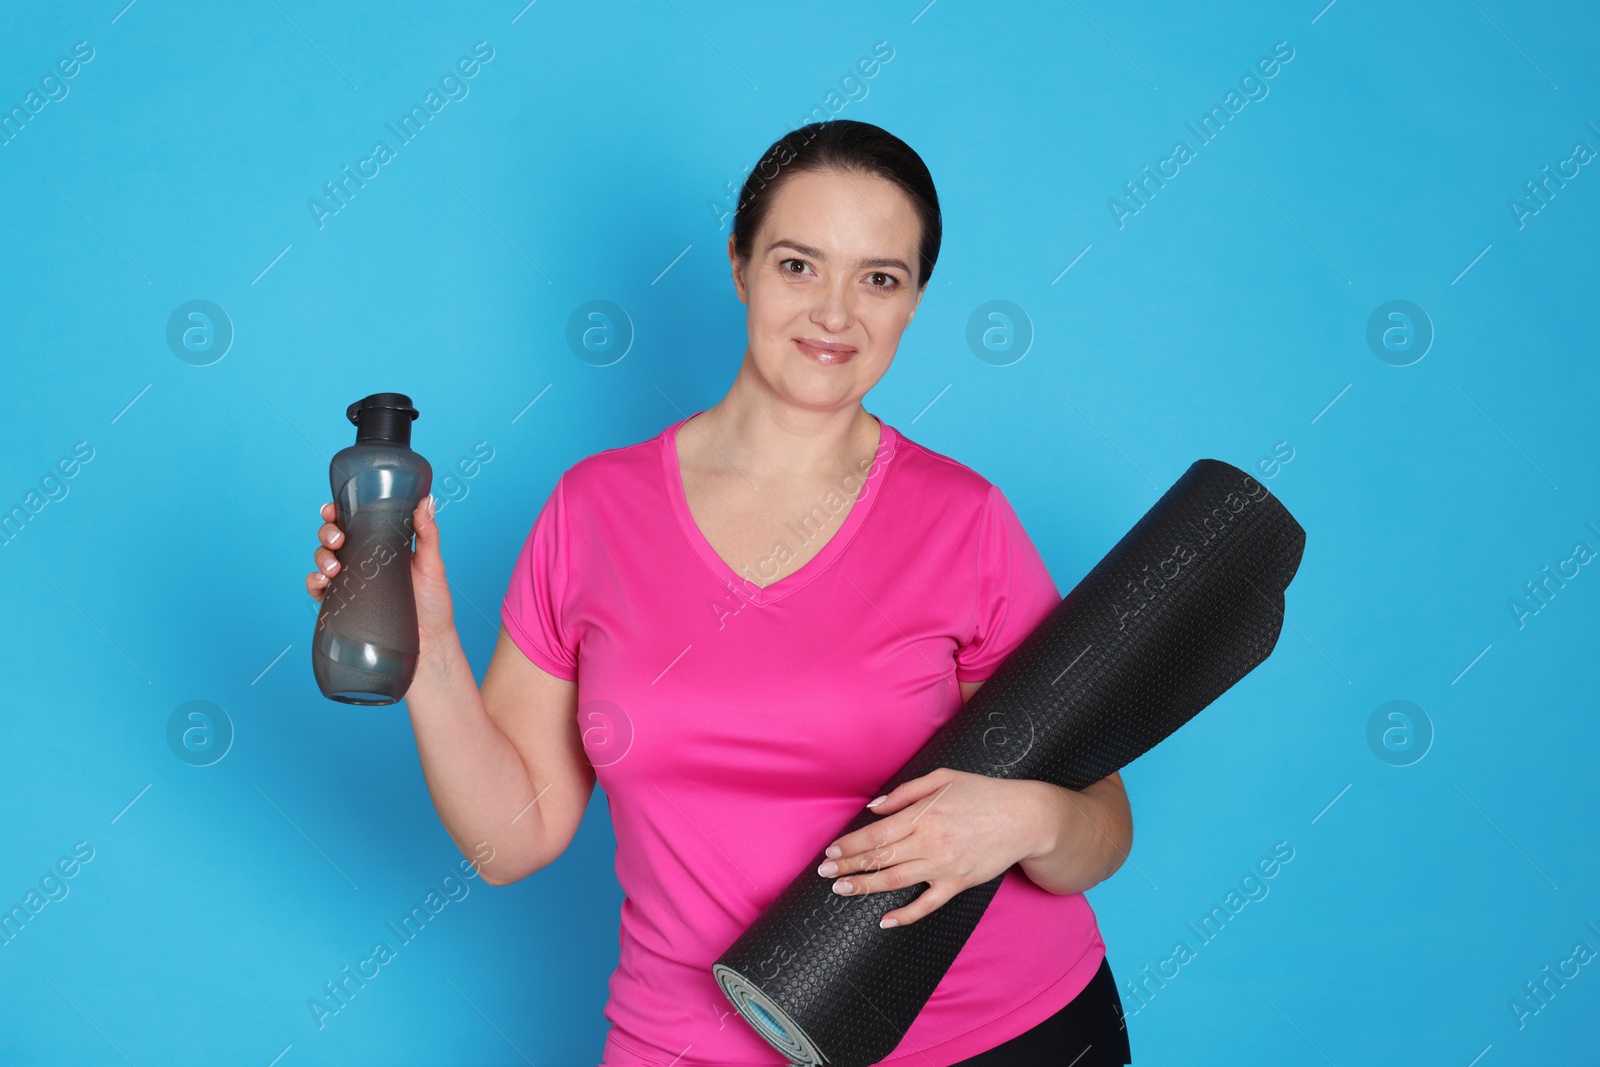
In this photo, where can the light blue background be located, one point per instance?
(1226, 316)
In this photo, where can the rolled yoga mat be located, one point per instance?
(1188, 602)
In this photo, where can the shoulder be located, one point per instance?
(938, 478)
(613, 472)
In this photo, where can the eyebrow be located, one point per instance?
(817, 253)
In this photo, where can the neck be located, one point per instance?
(771, 440)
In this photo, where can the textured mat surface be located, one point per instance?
(1188, 602)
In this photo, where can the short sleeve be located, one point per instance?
(1015, 591)
(533, 606)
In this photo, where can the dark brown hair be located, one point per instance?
(847, 145)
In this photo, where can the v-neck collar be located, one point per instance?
(672, 471)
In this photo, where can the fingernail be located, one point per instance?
(842, 887)
(884, 924)
(329, 563)
(827, 870)
(834, 852)
(880, 800)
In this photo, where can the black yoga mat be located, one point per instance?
(1188, 602)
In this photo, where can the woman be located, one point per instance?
(745, 624)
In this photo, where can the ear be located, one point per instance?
(738, 272)
(920, 293)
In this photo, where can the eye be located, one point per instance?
(783, 264)
(889, 282)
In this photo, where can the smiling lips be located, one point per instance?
(824, 352)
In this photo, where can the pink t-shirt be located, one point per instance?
(736, 730)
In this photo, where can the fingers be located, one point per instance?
(868, 848)
(875, 858)
(910, 791)
(422, 520)
(331, 537)
(885, 830)
(930, 899)
(317, 581)
(891, 876)
(905, 874)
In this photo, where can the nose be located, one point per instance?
(833, 311)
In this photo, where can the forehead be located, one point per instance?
(845, 212)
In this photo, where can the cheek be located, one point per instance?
(775, 308)
(885, 328)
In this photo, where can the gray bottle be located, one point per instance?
(365, 648)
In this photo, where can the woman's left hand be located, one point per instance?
(952, 829)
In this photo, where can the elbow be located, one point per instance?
(1123, 843)
(1119, 856)
(501, 874)
(514, 861)
(505, 873)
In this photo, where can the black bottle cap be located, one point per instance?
(383, 417)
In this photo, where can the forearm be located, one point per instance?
(1083, 835)
(479, 784)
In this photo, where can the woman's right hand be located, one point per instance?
(435, 613)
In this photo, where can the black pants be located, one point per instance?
(1088, 1032)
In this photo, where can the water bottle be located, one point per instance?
(365, 648)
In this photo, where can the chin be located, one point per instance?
(812, 386)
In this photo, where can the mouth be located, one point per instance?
(825, 352)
